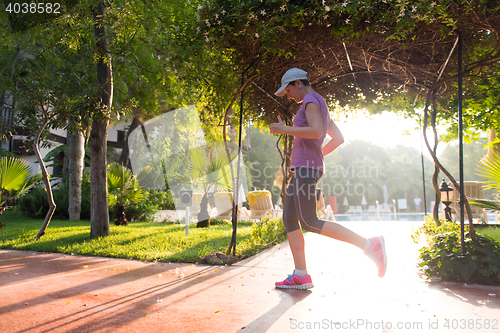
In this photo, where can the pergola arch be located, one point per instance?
(366, 65)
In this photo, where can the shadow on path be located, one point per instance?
(273, 312)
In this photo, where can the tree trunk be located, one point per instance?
(2, 99)
(232, 243)
(76, 163)
(125, 155)
(45, 177)
(432, 100)
(437, 191)
(99, 217)
(493, 148)
(121, 218)
(1, 211)
(5, 132)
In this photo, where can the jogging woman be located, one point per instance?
(311, 124)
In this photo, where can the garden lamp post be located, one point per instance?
(446, 197)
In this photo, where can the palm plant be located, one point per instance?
(489, 168)
(15, 179)
(124, 189)
(205, 168)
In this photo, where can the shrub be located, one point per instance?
(85, 206)
(430, 229)
(146, 210)
(35, 203)
(163, 199)
(269, 231)
(61, 199)
(479, 264)
(221, 222)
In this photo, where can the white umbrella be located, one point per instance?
(241, 195)
(345, 204)
(363, 200)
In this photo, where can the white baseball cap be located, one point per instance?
(290, 76)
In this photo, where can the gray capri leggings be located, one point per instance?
(300, 202)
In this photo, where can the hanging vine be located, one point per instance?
(370, 54)
(431, 99)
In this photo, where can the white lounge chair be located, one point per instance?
(224, 204)
(260, 203)
(472, 190)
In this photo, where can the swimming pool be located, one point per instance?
(383, 217)
(390, 217)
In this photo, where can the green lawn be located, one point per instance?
(493, 232)
(139, 240)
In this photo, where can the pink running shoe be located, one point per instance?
(295, 282)
(376, 252)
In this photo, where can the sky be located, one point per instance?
(385, 130)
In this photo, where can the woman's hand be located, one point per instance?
(277, 128)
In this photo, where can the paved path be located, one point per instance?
(44, 292)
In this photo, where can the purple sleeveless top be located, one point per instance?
(308, 153)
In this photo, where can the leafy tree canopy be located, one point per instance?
(371, 54)
(158, 64)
